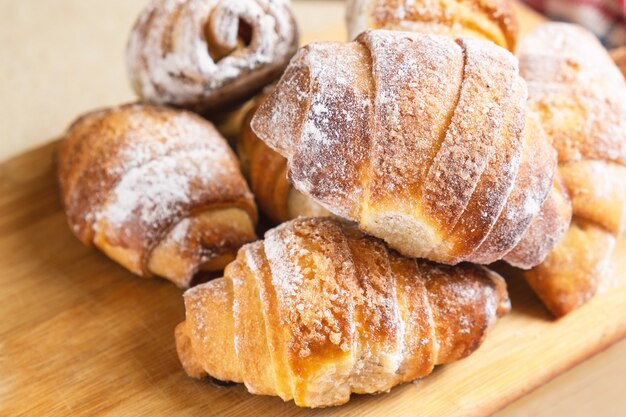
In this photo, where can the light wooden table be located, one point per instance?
(59, 58)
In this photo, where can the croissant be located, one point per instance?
(572, 273)
(580, 97)
(266, 171)
(423, 140)
(158, 190)
(492, 20)
(209, 55)
(319, 310)
(619, 56)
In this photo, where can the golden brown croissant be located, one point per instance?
(492, 20)
(425, 141)
(319, 310)
(580, 97)
(266, 171)
(157, 190)
(572, 272)
(209, 55)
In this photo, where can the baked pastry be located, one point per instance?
(266, 171)
(319, 310)
(546, 229)
(619, 56)
(572, 273)
(580, 97)
(423, 140)
(209, 55)
(158, 190)
(492, 20)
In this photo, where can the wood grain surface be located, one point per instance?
(80, 335)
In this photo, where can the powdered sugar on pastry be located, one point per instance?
(580, 97)
(485, 19)
(418, 138)
(157, 189)
(339, 312)
(578, 92)
(208, 54)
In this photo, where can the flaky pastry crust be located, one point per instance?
(580, 97)
(319, 310)
(156, 189)
(209, 55)
(423, 140)
(492, 20)
(266, 172)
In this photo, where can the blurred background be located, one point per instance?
(62, 57)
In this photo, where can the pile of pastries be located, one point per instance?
(394, 165)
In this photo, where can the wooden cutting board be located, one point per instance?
(79, 335)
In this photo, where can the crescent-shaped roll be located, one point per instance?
(209, 55)
(425, 141)
(319, 310)
(266, 171)
(572, 273)
(580, 97)
(492, 20)
(158, 190)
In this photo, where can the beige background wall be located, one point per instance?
(59, 58)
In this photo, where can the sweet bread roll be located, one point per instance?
(572, 273)
(158, 190)
(546, 229)
(319, 310)
(266, 171)
(423, 140)
(580, 97)
(492, 20)
(209, 55)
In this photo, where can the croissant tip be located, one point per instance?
(504, 307)
(185, 352)
(503, 302)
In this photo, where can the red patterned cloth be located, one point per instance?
(605, 18)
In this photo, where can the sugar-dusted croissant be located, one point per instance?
(158, 190)
(266, 171)
(209, 55)
(619, 56)
(492, 20)
(319, 310)
(580, 97)
(424, 140)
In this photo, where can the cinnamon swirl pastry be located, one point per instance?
(209, 55)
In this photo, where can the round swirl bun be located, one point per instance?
(158, 190)
(209, 55)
